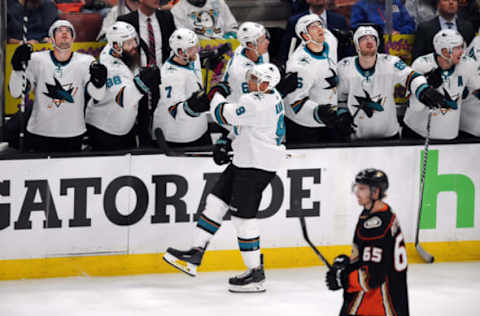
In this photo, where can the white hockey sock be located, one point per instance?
(248, 235)
(209, 221)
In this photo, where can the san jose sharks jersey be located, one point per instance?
(236, 71)
(58, 108)
(470, 114)
(178, 122)
(369, 94)
(116, 113)
(445, 122)
(212, 20)
(317, 84)
(258, 128)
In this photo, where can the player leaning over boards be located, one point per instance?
(366, 89)
(258, 128)
(61, 78)
(374, 278)
(453, 75)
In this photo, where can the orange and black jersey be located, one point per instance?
(378, 280)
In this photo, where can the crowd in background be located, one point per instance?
(154, 22)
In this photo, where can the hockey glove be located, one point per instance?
(326, 114)
(344, 125)
(220, 150)
(344, 37)
(432, 99)
(337, 276)
(148, 80)
(98, 74)
(21, 57)
(222, 87)
(434, 77)
(198, 103)
(288, 83)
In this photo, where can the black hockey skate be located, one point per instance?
(185, 261)
(250, 281)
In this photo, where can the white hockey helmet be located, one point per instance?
(56, 25)
(250, 32)
(364, 31)
(266, 72)
(182, 39)
(447, 39)
(120, 32)
(304, 22)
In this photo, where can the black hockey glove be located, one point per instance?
(222, 87)
(221, 149)
(148, 80)
(21, 57)
(344, 37)
(344, 125)
(198, 102)
(212, 58)
(288, 83)
(432, 99)
(98, 74)
(326, 114)
(337, 276)
(434, 77)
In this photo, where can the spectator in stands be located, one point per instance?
(101, 7)
(373, 11)
(115, 12)
(334, 22)
(61, 79)
(41, 14)
(421, 10)
(470, 11)
(449, 72)
(154, 27)
(447, 19)
(207, 18)
(110, 120)
(298, 6)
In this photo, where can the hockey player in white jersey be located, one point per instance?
(110, 121)
(470, 114)
(207, 18)
(60, 78)
(258, 129)
(311, 108)
(183, 103)
(366, 89)
(450, 73)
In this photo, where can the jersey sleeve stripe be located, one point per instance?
(420, 89)
(189, 111)
(119, 97)
(298, 105)
(410, 78)
(173, 110)
(219, 114)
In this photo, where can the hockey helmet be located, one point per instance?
(250, 32)
(364, 31)
(182, 39)
(265, 73)
(374, 178)
(447, 39)
(56, 25)
(120, 32)
(304, 22)
(197, 3)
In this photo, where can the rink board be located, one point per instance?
(117, 215)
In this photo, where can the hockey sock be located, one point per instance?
(209, 221)
(248, 235)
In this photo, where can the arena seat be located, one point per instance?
(87, 25)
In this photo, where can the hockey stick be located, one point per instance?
(303, 224)
(422, 252)
(293, 43)
(169, 152)
(21, 136)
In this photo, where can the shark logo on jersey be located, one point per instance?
(368, 104)
(451, 102)
(205, 22)
(332, 80)
(304, 60)
(59, 94)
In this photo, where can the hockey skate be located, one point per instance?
(185, 261)
(250, 281)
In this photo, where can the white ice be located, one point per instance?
(438, 289)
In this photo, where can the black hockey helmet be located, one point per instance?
(374, 178)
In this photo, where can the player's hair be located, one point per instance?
(374, 178)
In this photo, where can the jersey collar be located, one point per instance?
(60, 63)
(189, 66)
(365, 72)
(259, 60)
(322, 55)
